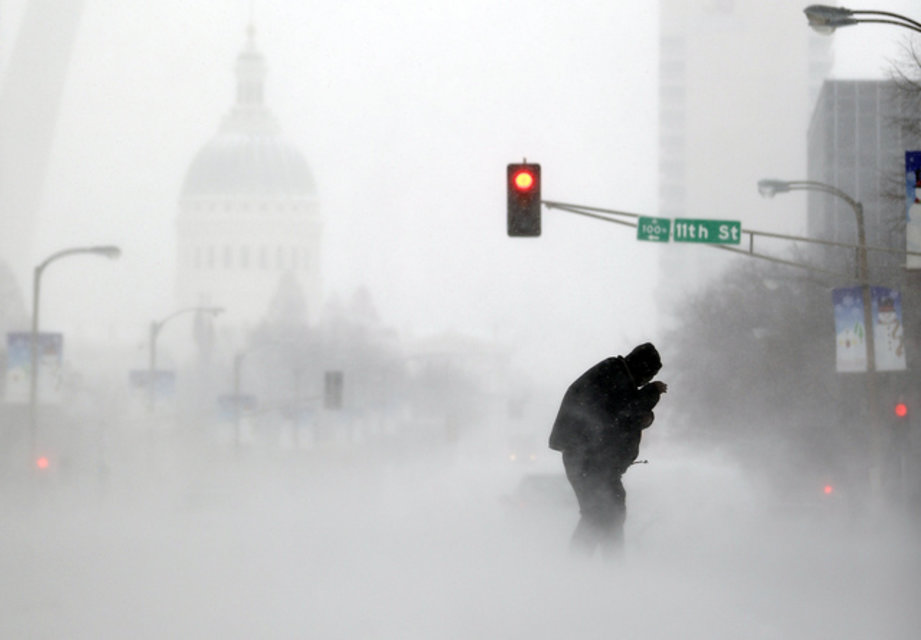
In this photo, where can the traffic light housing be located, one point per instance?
(523, 184)
(900, 425)
(332, 390)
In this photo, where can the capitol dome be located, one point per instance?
(248, 156)
(249, 214)
(242, 164)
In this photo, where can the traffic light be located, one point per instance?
(900, 426)
(332, 390)
(523, 184)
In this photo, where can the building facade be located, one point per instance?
(737, 81)
(249, 222)
(856, 143)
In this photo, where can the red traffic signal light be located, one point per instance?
(524, 180)
(523, 185)
(42, 463)
(901, 410)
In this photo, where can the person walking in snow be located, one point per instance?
(598, 430)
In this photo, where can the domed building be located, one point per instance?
(248, 211)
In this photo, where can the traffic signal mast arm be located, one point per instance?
(605, 215)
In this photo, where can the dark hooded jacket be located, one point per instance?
(605, 410)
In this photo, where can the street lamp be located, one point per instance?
(155, 328)
(237, 371)
(237, 376)
(110, 252)
(825, 19)
(767, 188)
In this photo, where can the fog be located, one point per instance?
(192, 541)
(407, 116)
(408, 511)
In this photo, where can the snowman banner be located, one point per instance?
(850, 335)
(887, 329)
(913, 207)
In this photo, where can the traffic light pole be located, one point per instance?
(877, 435)
(605, 215)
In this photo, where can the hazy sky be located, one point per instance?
(407, 112)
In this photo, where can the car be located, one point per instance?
(522, 449)
(540, 493)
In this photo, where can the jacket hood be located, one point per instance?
(644, 362)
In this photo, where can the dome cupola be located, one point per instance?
(248, 156)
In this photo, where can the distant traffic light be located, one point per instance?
(523, 185)
(42, 463)
(332, 390)
(899, 426)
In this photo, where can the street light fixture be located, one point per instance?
(767, 188)
(825, 19)
(155, 328)
(109, 251)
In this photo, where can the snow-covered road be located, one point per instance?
(293, 545)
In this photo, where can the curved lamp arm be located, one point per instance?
(825, 19)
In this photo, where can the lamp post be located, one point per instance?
(155, 328)
(237, 372)
(110, 252)
(825, 19)
(767, 188)
(237, 383)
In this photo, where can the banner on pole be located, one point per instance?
(19, 367)
(888, 336)
(913, 208)
(850, 332)
(164, 382)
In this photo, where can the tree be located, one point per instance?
(751, 369)
(906, 74)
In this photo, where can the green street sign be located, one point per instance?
(653, 229)
(709, 231)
